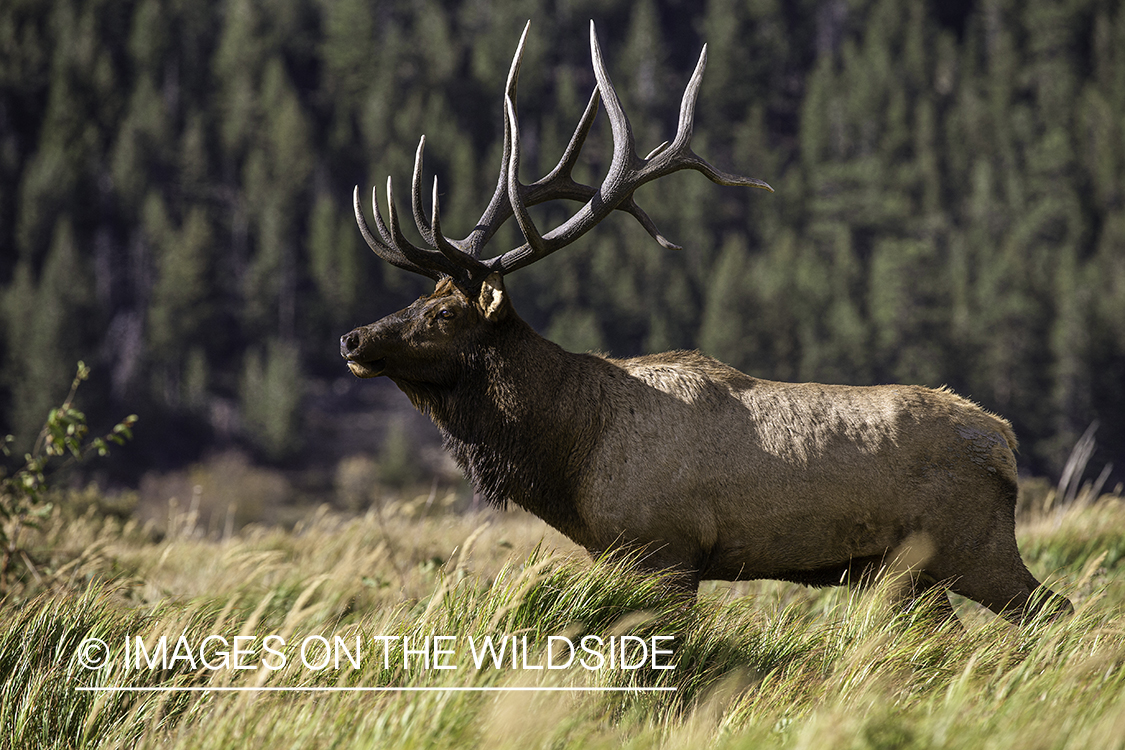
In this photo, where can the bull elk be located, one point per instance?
(715, 474)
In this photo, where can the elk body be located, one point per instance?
(710, 472)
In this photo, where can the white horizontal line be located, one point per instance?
(195, 689)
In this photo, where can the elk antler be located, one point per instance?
(460, 259)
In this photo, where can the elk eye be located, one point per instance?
(445, 314)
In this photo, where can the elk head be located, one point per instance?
(414, 343)
(426, 342)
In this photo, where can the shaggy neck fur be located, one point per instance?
(521, 418)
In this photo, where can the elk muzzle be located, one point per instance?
(361, 365)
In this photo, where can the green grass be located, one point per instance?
(758, 664)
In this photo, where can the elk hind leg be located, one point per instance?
(908, 565)
(999, 580)
(1015, 596)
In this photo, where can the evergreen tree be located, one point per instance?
(177, 312)
(949, 204)
(270, 392)
(725, 316)
(44, 333)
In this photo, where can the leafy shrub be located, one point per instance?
(22, 494)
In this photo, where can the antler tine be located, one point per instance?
(385, 251)
(615, 188)
(385, 233)
(512, 198)
(560, 178)
(455, 258)
(498, 209)
(461, 259)
(515, 190)
(556, 184)
(627, 171)
(559, 183)
(416, 195)
(427, 259)
(431, 230)
(679, 155)
(686, 125)
(630, 207)
(472, 266)
(624, 145)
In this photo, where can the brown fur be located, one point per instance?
(714, 473)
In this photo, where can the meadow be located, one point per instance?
(759, 664)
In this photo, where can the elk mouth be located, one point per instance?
(370, 369)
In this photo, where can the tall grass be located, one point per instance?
(757, 665)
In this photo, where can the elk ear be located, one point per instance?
(493, 299)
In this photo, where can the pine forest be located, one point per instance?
(176, 181)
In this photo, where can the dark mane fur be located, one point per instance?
(517, 443)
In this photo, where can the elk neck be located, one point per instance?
(521, 419)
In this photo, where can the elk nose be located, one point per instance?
(349, 344)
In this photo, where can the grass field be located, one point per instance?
(759, 664)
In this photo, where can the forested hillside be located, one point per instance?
(176, 178)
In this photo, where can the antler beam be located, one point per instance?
(461, 259)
